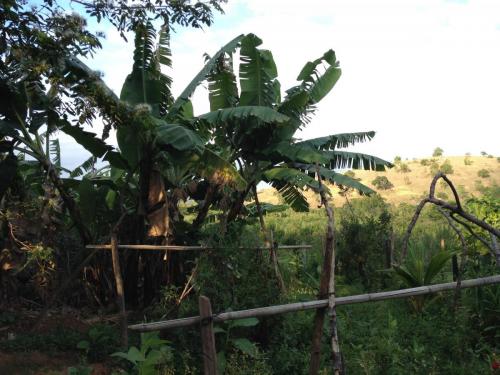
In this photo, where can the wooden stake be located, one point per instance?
(119, 289)
(326, 288)
(269, 241)
(207, 337)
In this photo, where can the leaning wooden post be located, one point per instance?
(269, 241)
(119, 288)
(207, 337)
(326, 288)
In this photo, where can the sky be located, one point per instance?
(421, 73)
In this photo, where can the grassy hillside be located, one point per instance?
(412, 181)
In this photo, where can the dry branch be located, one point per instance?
(453, 210)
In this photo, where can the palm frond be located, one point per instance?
(436, 264)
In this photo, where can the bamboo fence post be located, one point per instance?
(119, 288)
(207, 337)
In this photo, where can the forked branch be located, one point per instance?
(452, 210)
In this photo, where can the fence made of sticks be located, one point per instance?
(206, 319)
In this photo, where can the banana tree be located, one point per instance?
(256, 127)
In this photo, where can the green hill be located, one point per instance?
(411, 179)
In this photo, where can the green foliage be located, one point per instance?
(425, 162)
(100, 341)
(230, 343)
(403, 168)
(150, 357)
(445, 167)
(61, 339)
(397, 160)
(419, 269)
(483, 173)
(382, 183)
(438, 151)
(80, 370)
(468, 161)
(363, 245)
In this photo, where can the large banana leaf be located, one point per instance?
(94, 145)
(335, 178)
(316, 84)
(297, 153)
(202, 75)
(335, 141)
(223, 92)
(86, 166)
(354, 160)
(299, 103)
(291, 195)
(289, 182)
(179, 137)
(257, 74)
(146, 83)
(8, 128)
(265, 114)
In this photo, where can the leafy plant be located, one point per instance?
(420, 269)
(438, 151)
(152, 354)
(403, 168)
(231, 343)
(100, 341)
(80, 370)
(483, 173)
(382, 183)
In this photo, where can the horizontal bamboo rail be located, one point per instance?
(187, 248)
(310, 305)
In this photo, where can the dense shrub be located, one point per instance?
(382, 183)
(438, 151)
(483, 173)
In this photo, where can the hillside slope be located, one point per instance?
(410, 186)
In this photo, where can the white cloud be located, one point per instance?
(422, 73)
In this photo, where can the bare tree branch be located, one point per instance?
(453, 210)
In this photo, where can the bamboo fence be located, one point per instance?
(317, 304)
